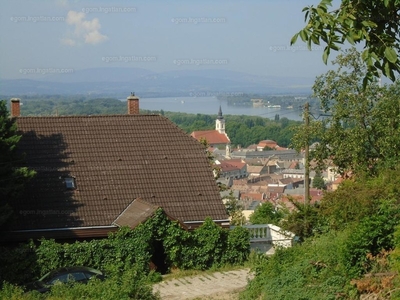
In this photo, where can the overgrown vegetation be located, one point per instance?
(125, 257)
(350, 240)
(350, 237)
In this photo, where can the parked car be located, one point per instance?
(64, 275)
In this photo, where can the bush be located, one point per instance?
(130, 249)
(312, 270)
(370, 236)
(131, 284)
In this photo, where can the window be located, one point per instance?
(70, 183)
(60, 278)
(78, 276)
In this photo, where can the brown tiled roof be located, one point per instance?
(236, 162)
(227, 167)
(252, 196)
(269, 143)
(286, 180)
(114, 160)
(212, 137)
(254, 169)
(276, 189)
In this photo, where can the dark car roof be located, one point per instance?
(71, 269)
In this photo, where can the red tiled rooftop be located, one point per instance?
(212, 137)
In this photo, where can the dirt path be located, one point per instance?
(219, 285)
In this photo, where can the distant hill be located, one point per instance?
(120, 81)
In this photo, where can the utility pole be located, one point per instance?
(306, 155)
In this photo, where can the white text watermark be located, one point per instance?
(35, 19)
(44, 71)
(277, 48)
(199, 62)
(191, 20)
(130, 58)
(108, 9)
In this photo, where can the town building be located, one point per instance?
(216, 138)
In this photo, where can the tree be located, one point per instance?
(266, 214)
(266, 148)
(235, 210)
(361, 129)
(318, 181)
(373, 23)
(12, 175)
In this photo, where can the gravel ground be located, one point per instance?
(219, 285)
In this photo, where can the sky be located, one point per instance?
(38, 36)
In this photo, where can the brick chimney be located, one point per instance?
(15, 107)
(133, 104)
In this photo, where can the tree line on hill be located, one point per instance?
(290, 100)
(242, 130)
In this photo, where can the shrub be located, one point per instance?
(370, 236)
(206, 247)
(311, 270)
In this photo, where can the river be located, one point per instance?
(210, 106)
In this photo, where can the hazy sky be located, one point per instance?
(248, 36)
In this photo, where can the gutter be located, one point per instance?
(66, 228)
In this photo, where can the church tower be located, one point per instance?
(220, 122)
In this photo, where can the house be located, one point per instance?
(256, 171)
(293, 173)
(92, 169)
(298, 195)
(291, 183)
(281, 155)
(335, 184)
(269, 144)
(232, 169)
(215, 138)
(275, 191)
(252, 196)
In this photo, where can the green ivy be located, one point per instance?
(206, 247)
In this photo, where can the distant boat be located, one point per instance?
(182, 101)
(274, 106)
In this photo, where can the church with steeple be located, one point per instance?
(216, 138)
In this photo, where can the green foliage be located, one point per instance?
(237, 246)
(361, 132)
(127, 249)
(131, 284)
(358, 199)
(304, 220)
(267, 214)
(318, 181)
(234, 210)
(395, 255)
(370, 236)
(312, 270)
(355, 223)
(13, 175)
(375, 24)
(209, 242)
